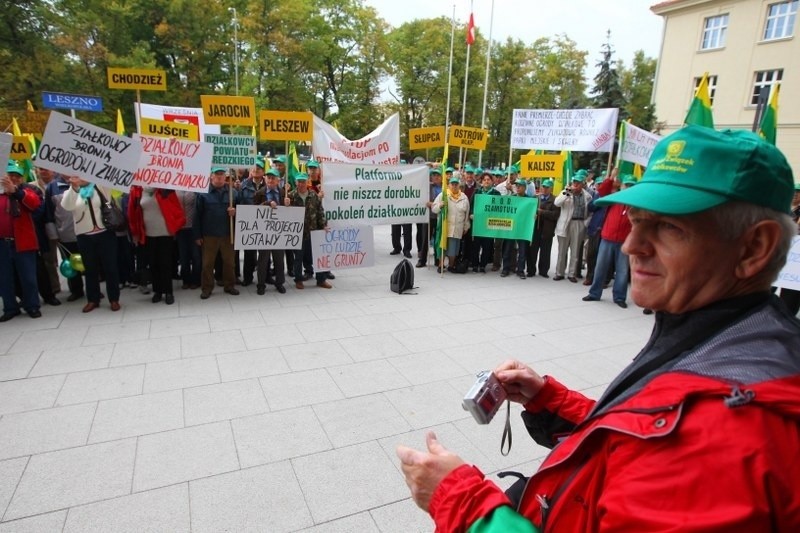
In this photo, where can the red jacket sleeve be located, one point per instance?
(462, 498)
(558, 399)
(171, 210)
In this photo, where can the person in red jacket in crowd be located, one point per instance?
(701, 432)
(155, 216)
(18, 243)
(616, 228)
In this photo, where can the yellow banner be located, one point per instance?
(541, 166)
(285, 126)
(164, 128)
(432, 137)
(144, 79)
(472, 138)
(20, 148)
(229, 110)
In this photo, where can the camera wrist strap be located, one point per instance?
(506, 432)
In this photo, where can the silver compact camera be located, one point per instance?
(484, 397)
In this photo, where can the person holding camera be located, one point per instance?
(701, 431)
(571, 227)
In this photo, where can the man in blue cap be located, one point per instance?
(701, 431)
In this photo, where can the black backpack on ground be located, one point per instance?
(402, 278)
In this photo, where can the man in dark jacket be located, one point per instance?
(251, 186)
(543, 232)
(212, 230)
(303, 196)
(59, 222)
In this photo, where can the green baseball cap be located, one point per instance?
(697, 168)
(578, 177)
(449, 169)
(521, 182)
(454, 180)
(260, 161)
(280, 159)
(797, 186)
(627, 179)
(435, 170)
(312, 164)
(214, 170)
(301, 176)
(273, 172)
(13, 168)
(548, 184)
(469, 169)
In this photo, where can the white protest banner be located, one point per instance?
(174, 164)
(380, 147)
(183, 115)
(233, 151)
(789, 276)
(343, 247)
(5, 150)
(375, 194)
(75, 148)
(577, 130)
(637, 144)
(260, 227)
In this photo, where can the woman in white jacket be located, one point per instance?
(98, 246)
(457, 220)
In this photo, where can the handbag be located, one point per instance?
(111, 214)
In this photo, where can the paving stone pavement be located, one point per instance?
(278, 412)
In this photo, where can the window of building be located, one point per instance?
(712, 87)
(780, 20)
(714, 32)
(764, 81)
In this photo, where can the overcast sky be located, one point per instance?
(633, 26)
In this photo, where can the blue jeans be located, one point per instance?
(522, 252)
(189, 254)
(608, 254)
(24, 264)
(303, 260)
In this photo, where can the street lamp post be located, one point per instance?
(236, 49)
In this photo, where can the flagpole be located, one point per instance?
(486, 81)
(450, 77)
(466, 82)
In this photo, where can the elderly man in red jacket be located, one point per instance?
(701, 432)
(18, 243)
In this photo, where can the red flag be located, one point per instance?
(471, 31)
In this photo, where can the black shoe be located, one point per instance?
(451, 270)
(588, 298)
(247, 282)
(169, 299)
(573, 279)
(8, 316)
(621, 303)
(74, 297)
(407, 255)
(308, 275)
(504, 274)
(205, 295)
(421, 263)
(156, 298)
(281, 289)
(544, 275)
(475, 269)
(35, 313)
(439, 270)
(482, 270)
(260, 290)
(53, 301)
(558, 278)
(232, 292)
(330, 275)
(521, 275)
(647, 311)
(394, 252)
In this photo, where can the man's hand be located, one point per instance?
(424, 471)
(273, 204)
(199, 242)
(8, 187)
(231, 211)
(287, 202)
(519, 380)
(75, 182)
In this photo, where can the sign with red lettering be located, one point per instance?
(170, 163)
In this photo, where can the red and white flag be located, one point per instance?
(471, 31)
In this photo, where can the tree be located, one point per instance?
(607, 89)
(637, 89)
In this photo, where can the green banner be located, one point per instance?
(504, 217)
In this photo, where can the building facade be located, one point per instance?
(747, 47)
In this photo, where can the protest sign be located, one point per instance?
(504, 217)
(375, 194)
(75, 148)
(541, 166)
(789, 276)
(343, 247)
(233, 151)
(419, 138)
(163, 128)
(29, 121)
(78, 102)
(577, 130)
(637, 144)
(229, 110)
(21, 148)
(141, 79)
(174, 164)
(183, 115)
(472, 138)
(5, 150)
(260, 227)
(380, 147)
(286, 126)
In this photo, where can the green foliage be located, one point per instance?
(637, 88)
